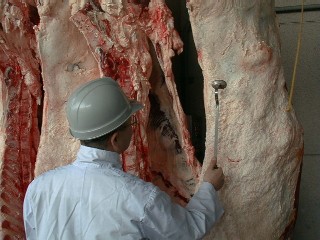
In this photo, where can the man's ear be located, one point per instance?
(114, 142)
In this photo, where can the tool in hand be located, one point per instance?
(217, 84)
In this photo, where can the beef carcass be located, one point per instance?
(116, 37)
(133, 42)
(260, 145)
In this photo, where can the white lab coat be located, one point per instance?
(93, 198)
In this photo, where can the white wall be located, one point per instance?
(285, 3)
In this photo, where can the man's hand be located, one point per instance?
(214, 175)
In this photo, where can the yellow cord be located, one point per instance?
(289, 107)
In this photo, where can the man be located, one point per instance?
(92, 198)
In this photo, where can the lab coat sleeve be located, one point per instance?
(166, 220)
(28, 219)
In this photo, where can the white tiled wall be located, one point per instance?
(285, 3)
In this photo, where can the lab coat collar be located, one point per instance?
(98, 156)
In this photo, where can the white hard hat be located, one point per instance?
(97, 108)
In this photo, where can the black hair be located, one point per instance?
(101, 142)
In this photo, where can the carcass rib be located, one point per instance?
(20, 91)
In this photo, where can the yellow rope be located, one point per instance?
(289, 107)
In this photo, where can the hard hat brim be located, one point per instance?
(135, 106)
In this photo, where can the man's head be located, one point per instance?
(99, 109)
